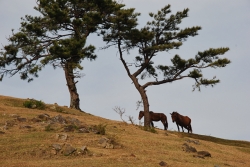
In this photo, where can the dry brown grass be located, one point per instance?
(24, 147)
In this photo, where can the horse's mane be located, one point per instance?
(175, 112)
(177, 115)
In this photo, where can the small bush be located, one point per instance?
(113, 139)
(148, 129)
(34, 104)
(71, 127)
(27, 104)
(101, 129)
(48, 128)
(151, 129)
(59, 109)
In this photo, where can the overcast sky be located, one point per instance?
(222, 111)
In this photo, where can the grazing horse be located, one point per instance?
(183, 121)
(155, 117)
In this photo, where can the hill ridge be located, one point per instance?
(29, 142)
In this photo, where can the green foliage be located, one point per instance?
(195, 74)
(59, 109)
(56, 37)
(161, 35)
(101, 129)
(149, 129)
(27, 104)
(71, 127)
(34, 104)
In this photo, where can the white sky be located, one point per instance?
(221, 111)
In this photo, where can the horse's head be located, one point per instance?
(174, 116)
(141, 114)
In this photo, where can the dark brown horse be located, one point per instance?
(183, 121)
(155, 117)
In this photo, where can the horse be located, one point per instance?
(183, 121)
(155, 117)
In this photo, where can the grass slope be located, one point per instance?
(28, 143)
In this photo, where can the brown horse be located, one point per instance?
(155, 117)
(183, 121)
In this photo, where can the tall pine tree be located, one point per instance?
(159, 35)
(57, 37)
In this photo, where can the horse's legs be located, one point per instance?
(182, 129)
(178, 127)
(190, 128)
(152, 124)
(165, 124)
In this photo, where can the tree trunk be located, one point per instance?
(144, 98)
(70, 79)
(146, 107)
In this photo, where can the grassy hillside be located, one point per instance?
(59, 136)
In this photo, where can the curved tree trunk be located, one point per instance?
(140, 88)
(146, 107)
(70, 79)
(144, 98)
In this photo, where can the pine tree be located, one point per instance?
(57, 37)
(159, 35)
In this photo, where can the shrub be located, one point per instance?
(59, 109)
(148, 129)
(113, 139)
(34, 104)
(101, 129)
(71, 127)
(152, 129)
(27, 104)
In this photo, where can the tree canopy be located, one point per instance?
(56, 37)
(160, 35)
